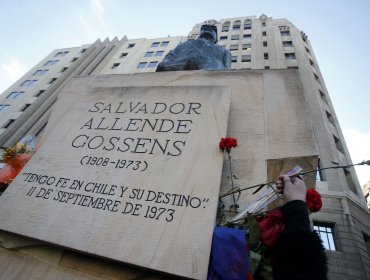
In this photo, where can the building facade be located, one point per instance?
(255, 43)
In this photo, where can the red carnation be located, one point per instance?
(313, 200)
(228, 143)
(272, 225)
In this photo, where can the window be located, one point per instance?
(264, 33)
(246, 58)
(287, 44)
(316, 77)
(51, 62)
(153, 64)
(350, 183)
(165, 43)
(265, 43)
(130, 46)
(247, 24)
(40, 72)
(155, 45)
(52, 80)
(236, 25)
(285, 33)
(223, 38)
(338, 144)
(83, 50)
(123, 55)
(311, 62)
(234, 58)
(115, 65)
(247, 36)
(292, 67)
(28, 83)
(234, 37)
(159, 53)
(307, 50)
(24, 108)
(290, 56)
(226, 26)
(330, 117)
(61, 54)
(8, 123)
(247, 47)
(4, 108)
(141, 65)
(39, 93)
(266, 56)
(233, 47)
(63, 69)
(267, 67)
(326, 233)
(263, 24)
(148, 54)
(323, 96)
(15, 94)
(74, 59)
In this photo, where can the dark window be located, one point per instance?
(39, 93)
(263, 24)
(83, 50)
(287, 44)
(338, 143)
(64, 69)
(264, 33)
(24, 108)
(40, 72)
(265, 43)
(233, 47)
(267, 67)
(53, 80)
(8, 123)
(61, 54)
(28, 83)
(123, 55)
(74, 59)
(223, 38)
(130, 46)
(234, 37)
(234, 59)
(159, 53)
(226, 26)
(236, 25)
(285, 33)
(292, 67)
(51, 62)
(290, 56)
(165, 43)
(326, 233)
(115, 65)
(247, 36)
(266, 56)
(246, 58)
(155, 44)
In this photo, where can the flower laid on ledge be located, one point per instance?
(313, 200)
(228, 143)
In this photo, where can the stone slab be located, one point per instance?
(130, 174)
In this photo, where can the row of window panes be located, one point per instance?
(4, 108)
(236, 25)
(245, 58)
(247, 47)
(151, 54)
(41, 72)
(61, 54)
(15, 94)
(151, 64)
(160, 44)
(236, 37)
(51, 62)
(28, 83)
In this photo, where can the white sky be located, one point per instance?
(337, 29)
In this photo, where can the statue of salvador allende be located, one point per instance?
(200, 54)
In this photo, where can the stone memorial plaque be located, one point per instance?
(130, 174)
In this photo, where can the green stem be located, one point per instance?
(232, 182)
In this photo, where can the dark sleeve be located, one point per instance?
(299, 252)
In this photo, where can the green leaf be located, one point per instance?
(254, 230)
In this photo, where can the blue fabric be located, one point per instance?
(229, 256)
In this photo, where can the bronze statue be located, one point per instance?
(200, 54)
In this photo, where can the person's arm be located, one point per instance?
(299, 252)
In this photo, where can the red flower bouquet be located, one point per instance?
(228, 143)
(272, 225)
(313, 200)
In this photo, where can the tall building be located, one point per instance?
(255, 44)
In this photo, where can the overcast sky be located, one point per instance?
(338, 31)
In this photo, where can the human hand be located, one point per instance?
(293, 188)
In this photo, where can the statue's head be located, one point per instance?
(208, 32)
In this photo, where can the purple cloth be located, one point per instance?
(229, 256)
